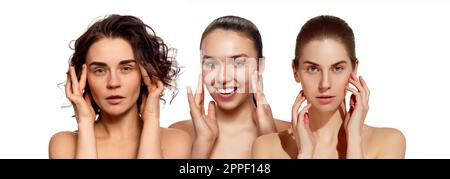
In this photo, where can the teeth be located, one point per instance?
(226, 90)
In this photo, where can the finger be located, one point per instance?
(303, 111)
(145, 76)
(74, 80)
(357, 94)
(190, 97)
(199, 97)
(212, 111)
(298, 102)
(83, 77)
(301, 121)
(359, 87)
(353, 91)
(366, 88)
(68, 88)
(157, 88)
(192, 105)
(295, 109)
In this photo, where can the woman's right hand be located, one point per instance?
(205, 125)
(300, 126)
(84, 111)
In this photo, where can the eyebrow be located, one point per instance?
(95, 63)
(234, 56)
(337, 63)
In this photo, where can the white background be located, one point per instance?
(403, 49)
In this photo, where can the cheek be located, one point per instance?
(97, 86)
(309, 84)
(209, 77)
(242, 77)
(132, 84)
(341, 82)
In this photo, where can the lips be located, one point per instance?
(114, 99)
(325, 99)
(225, 93)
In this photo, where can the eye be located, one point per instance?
(312, 69)
(338, 68)
(210, 63)
(126, 69)
(100, 71)
(239, 62)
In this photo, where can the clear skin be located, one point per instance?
(121, 132)
(228, 60)
(325, 70)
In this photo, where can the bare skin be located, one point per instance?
(122, 131)
(235, 139)
(229, 125)
(378, 143)
(324, 128)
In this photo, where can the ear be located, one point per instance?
(296, 76)
(355, 68)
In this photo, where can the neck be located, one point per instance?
(125, 125)
(241, 114)
(326, 125)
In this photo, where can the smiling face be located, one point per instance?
(228, 60)
(113, 75)
(324, 70)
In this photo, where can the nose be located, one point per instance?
(225, 74)
(325, 83)
(113, 81)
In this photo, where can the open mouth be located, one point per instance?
(225, 93)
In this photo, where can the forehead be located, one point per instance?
(227, 43)
(324, 52)
(110, 51)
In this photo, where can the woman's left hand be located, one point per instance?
(354, 119)
(150, 143)
(262, 115)
(149, 108)
(359, 106)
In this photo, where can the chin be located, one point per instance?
(232, 104)
(326, 108)
(115, 110)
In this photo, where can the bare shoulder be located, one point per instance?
(388, 142)
(175, 143)
(63, 144)
(186, 126)
(268, 147)
(282, 125)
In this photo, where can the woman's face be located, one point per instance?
(113, 75)
(228, 61)
(324, 70)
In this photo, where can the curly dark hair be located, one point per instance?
(149, 50)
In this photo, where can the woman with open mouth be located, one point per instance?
(115, 82)
(325, 64)
(232, 64)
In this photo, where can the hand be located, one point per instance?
(359, 106)
(300, 125)
(205, 125)
(149, 107)
(150, 144)
(262, 115)
(84, 111)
